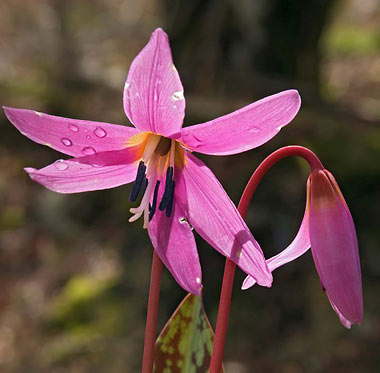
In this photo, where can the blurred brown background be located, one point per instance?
(74, 273)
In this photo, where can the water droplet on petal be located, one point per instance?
(100, 132)
(178, 96)
(183, 220)
(61, 165)
(38, 113)
(198, 280)
(88, 150)
(126, 85)
(73, 127)
(67, 142)
(174, 106)
(88, 137)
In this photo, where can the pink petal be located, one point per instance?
(216, 219)
(72, 176)
(70, 136)
(153, 93)
(243, 129)
(334, 247)
(174, 242)
(346, 323)
(298, 247)
(111, 158)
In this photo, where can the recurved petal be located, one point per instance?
(72, 176)
(334, 247)
(174, 242)
(245, 128)
(70, 136)
(153, 93)
(298, 246)
(216, 219)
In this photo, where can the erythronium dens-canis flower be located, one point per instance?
(328, 228)
(178, 191)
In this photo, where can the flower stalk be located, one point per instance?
(229, 270)
(152, 312)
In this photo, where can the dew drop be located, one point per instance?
(67, 142)
(100, 132)
(178, 96)
(73, 127)
(88, 150)
(198, 280)
(174, 106)
(61, 165)
(183, 220)
(88, 137)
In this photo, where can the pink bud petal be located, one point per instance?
(334, 246)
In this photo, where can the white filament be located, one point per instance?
(144, 205)
(150, 147)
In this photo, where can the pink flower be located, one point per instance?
(327, 227)
(178, 191)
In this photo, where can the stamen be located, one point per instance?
(144, 185)
(170, 202)
(168, 187)
(144, 205)
(137, 211)
(146, 219)
(150, 146)
(154, 203)
(138, 182)
(172, 153)
(161, 166)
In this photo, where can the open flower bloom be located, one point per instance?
(327, 227)
(178, 191)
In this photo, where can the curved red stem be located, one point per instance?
(151, 317)
(229, 269)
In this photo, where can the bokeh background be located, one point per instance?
(74, 273)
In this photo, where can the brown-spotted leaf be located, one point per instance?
(185, 343)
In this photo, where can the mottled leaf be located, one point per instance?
(185, 343)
